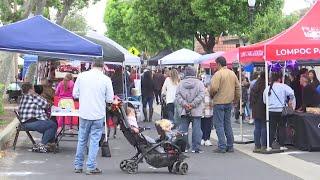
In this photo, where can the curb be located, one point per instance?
(7, 133)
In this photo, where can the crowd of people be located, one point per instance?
(185, 96)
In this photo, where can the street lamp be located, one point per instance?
(251, 4)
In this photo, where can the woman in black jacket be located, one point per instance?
(147, 90)
(259, 114)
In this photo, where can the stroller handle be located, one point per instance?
(144, 129)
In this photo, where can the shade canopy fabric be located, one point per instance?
(153, 61)
(231, 56)
(117, 53)
(301, 41)
(39, 36)
(110, 52)
(182, 56)
(208, 57)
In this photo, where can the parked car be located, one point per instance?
(68, 68)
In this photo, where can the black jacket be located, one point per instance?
(147, 88)
(256, 103)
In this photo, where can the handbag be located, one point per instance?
(286, 110)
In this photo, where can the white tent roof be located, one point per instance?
(182, 56)
(130, 59)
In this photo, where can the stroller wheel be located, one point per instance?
(132, 167)
(183, 168)
(175, 167)
(123, 165)
(170, 168)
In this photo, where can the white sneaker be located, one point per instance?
(202, 142)
(207, 143)
(283, 148)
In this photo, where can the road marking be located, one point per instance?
(294, 152)
(290, 164)
(32, 162)
(22, 173)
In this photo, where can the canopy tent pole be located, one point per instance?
(241, 141)
(284, 72)
(267, 106)
(240, 108)
(125, 89)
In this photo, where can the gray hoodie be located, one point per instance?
(191, 91)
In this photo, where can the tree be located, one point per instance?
(75, 23)
(134, 23)
(173, 22)
(14, 10)
(270, 24)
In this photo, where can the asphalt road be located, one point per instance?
(23, 164)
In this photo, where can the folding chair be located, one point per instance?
(19, 128)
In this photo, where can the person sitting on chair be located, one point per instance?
(32, 111)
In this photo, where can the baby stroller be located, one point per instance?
(160, 153)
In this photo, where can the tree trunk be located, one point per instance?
(41, 4)
(207, 41)
(64, 12)
(27, 8)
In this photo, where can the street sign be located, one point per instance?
(134, 51)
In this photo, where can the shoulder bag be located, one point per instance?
(286, 110)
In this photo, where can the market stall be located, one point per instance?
(39, 36)
(300, 42)
(180, 57)
(153, 61)
(231, 57)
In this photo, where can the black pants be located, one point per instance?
(206, 127)
(157, 94)
(277, 128)
(170, 111)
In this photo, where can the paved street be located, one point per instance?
(23, 164)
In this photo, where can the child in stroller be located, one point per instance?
(160, 153)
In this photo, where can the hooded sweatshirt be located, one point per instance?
(191, 91)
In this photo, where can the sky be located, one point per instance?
(95, 13)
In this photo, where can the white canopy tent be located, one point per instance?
(180, 57)
(130, 59)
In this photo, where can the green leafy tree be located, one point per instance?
(136, 23)
(14, 10)
(75, 23)
(270, 24)
(166, 23)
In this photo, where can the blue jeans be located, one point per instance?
(48, 128)
(260, 133)
(222, 123)
(88, 129)
(147, 100)
(196, 130)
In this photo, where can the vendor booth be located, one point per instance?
(209, 62)
(299, 42)
(180, 57)
(39, 36)
(153, 61)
